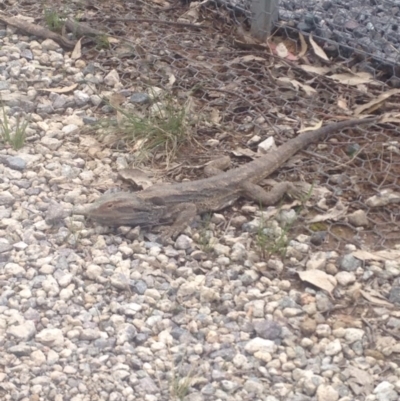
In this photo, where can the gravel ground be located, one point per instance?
(91, 314)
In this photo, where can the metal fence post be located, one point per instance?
(264, 14)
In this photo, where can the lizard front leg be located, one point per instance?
(268, 198)
(215, 167)
(182, 215)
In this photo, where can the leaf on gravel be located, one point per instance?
(192, 15)
(77, 52)
(26, 18)
(315, 69)
(304, 46)
(336, 213)
(298, 85)
(361, 381)
(319, 279)
(342, 320)
(390, 118)
(111, 39)
(318, 50)
(384, 198)
(246, 59)
(342, 103)
(391, 254)
(171, 80)
(215, 116)
(376, 103)
(161, 2)
(375, 298)
(352, 79)
(240, 152)
(64, 89)
(88, 141)
(361, 376)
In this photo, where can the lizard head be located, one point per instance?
(123, 209)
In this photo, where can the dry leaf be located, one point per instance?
(384, 198)
(246, 59)
(313, 128)
(215, 117)
(77, 52)
(304, 46)
(335, 213)
(375, 298)
(319, 279)
(298, 85)
(342, 103)
(342, 320)
(171, 80)
(315, 69)
(318, 50)
(392, 254)
(88, 141)
(110, 39)
(376, 103)
(361, 376)
(390, 118)
(308, 89)
(65, 89)
(352, 79)
(192, 15)
(31, 20)
(161, 2)
(365, 255)
(240, 152)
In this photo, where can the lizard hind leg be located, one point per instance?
(271, 197)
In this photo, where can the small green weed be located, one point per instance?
(54, 20)
(180, 385)
(75, 232)
(162, 128)
(102, 42)
(273, 239)
(14, 136)
(204, 235)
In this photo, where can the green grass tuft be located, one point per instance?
(14, 136)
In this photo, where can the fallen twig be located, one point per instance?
(36, 30)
